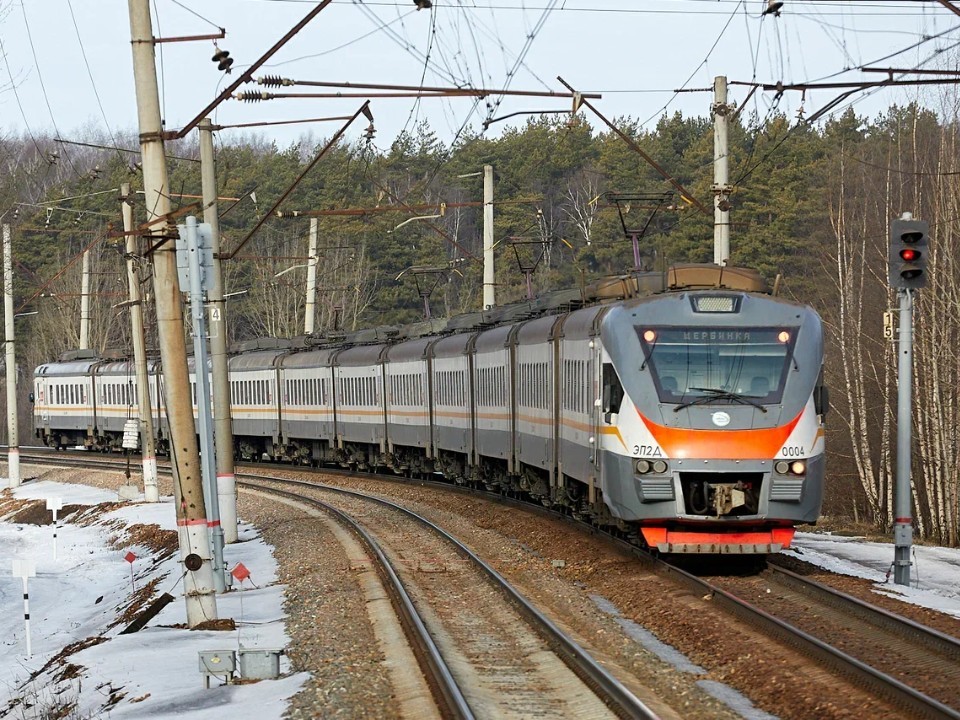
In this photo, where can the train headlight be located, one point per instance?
(659, 466)
(643, 466)
(794, 467)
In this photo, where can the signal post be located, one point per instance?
(907, 264)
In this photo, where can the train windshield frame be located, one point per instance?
(718, 364)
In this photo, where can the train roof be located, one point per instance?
(492, 327)
(257, 360)
(59, 369)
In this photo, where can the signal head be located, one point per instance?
(907, 258)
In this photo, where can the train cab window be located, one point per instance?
(612, 391)
(719, 365)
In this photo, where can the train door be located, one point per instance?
(41, 407)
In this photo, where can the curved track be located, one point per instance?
(866, 675)
(607, 688)
(931, 651)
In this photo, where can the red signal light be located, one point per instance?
(909, 254)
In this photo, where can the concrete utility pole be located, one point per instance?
(188, 487)
(489, 275)
(85, 302)
(721, 173)
(10, 360)
(311, 309)
(151, 493)
(903, 513)
(222, 429)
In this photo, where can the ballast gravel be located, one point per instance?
(591, 589)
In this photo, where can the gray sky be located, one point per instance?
(71, 60)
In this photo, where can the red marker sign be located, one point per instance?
(240, 572)
(130, 557)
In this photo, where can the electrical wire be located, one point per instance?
(531, 36)
(703, 62)
(163, 74)
(195, 13)
(43, 88)
(16, 95)
(86, 62)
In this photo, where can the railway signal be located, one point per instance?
(908, 253)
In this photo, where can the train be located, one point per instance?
(683, 408)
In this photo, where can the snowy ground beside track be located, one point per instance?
(156, 670)
(76, 595)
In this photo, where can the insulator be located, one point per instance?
(253, 96)
(274, 81)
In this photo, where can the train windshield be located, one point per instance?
(719, 365)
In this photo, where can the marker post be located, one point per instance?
(23, 569)
(54, 505)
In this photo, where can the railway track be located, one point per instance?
(489, 652)
(894, 658)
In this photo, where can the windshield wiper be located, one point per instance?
(718, 394)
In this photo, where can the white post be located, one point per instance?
(311, 310)
(54, 505)
(23, 569)
(151, 492)
(489, 275)
(721, 173)
(222, 429)
(13, 440)
(85, 302)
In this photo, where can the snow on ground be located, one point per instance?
(934, 575)
(78, 594)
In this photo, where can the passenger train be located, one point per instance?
(684, 407)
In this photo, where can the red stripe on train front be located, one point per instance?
(705, 541)
(762, 444)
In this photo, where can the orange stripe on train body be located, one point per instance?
(762, 444)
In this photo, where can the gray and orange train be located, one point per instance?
(685, 407)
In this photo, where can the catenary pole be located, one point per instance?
(311, 305)
(85, 302)
(10, 363)
(151, 492)
(721, 172)
(222, 429)
(201, 603)
(489, 275)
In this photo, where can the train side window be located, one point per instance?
(612, 391)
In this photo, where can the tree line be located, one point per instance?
(812, 205)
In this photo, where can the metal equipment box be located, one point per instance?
(259, 663)
(221, 663)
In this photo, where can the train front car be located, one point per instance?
(712, 419)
